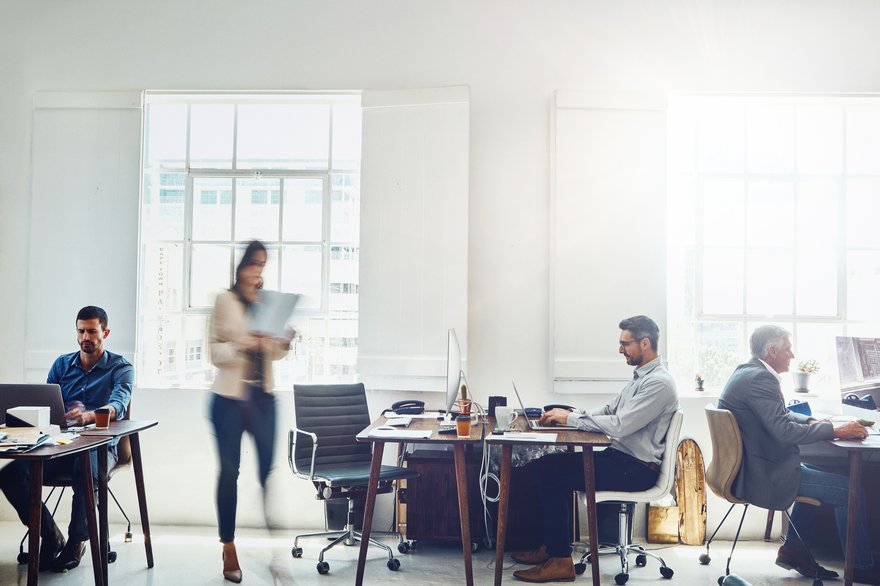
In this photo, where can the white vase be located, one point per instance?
(801, 381)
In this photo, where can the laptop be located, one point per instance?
(34, 395)
(533, 423)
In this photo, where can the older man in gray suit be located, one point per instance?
(772, 474)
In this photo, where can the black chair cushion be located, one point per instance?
(358, 474)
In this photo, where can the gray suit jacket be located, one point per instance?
(770, 472)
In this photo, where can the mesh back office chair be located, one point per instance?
(727, 455)
(123, 462)
(322, 449)
(624, 545)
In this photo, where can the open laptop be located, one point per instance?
(533, 423)
(33, 395)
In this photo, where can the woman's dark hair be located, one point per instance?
(249, 258)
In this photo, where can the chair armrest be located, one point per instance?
(291, 444)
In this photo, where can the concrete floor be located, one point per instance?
(191, 556)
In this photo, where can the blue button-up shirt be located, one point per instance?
(108, 382)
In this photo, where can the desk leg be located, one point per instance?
(852, 513)
(590, 492)
(135, 443)
(103, 524)
(36, 515)
(372, 489)
(94, 542)
(463, 513)
(500, 534)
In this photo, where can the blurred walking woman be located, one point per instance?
(242, 398)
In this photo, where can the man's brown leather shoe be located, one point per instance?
(50, 547)
(70, 556)
(800, 561)
(536, 556)
(553, 570)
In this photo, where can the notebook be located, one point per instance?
(533, 423)
(33, 395)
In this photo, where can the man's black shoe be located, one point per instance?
(50, 547)
(800, 561)
(70, 556)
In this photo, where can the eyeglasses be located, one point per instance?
(625, 343)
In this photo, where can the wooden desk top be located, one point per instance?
(50, 452)
(477, 432)
(564, 437)
(121, 428)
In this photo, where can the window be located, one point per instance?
(771, 219)
(221, 170)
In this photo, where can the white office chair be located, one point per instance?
(625, 546)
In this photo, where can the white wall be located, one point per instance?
(513, 55)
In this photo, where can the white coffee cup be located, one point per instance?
(504, 417)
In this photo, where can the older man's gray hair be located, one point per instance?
(766, 336)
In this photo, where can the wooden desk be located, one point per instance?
(80, 446)
(856, 450)
(587, 441)
(477, 433)
(119, 429)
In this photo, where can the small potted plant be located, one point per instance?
(802, 375)
(698, 381)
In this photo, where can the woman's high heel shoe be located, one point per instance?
(231, 569)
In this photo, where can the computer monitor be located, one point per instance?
(453, 369)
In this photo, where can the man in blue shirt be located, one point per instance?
(90, 378)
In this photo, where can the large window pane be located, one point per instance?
(770, 220)
(165, 136)
(345, 205)
(163, 209)
(770, 138)
(210, 138)
(817, 282)
(161, 278)
(816, 342)
(301, 273)
(257, 208)
(721, 138)
(769, 282)
(722, 271)
(287, 136)
(344, 278)
(863, 139)
(863, 283)
(720, 350)
(819, 139)
(209, 273)
(723, 213)
(212, 209)
(817, 214)
(303, 209)
(862, 212)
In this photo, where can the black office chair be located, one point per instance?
(322, 449)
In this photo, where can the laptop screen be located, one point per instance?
(33, 395)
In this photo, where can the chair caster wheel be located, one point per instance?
(705, 559)
(580, 568)
(667, 572)
(22, 558)
(720, 580)
(621, 578)
(817, 582)
(641, 560)
(403, 547)
(111, 557)
(393, 564)
(323, 567)
(128, 537)
(296, 552)
(475, 547)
